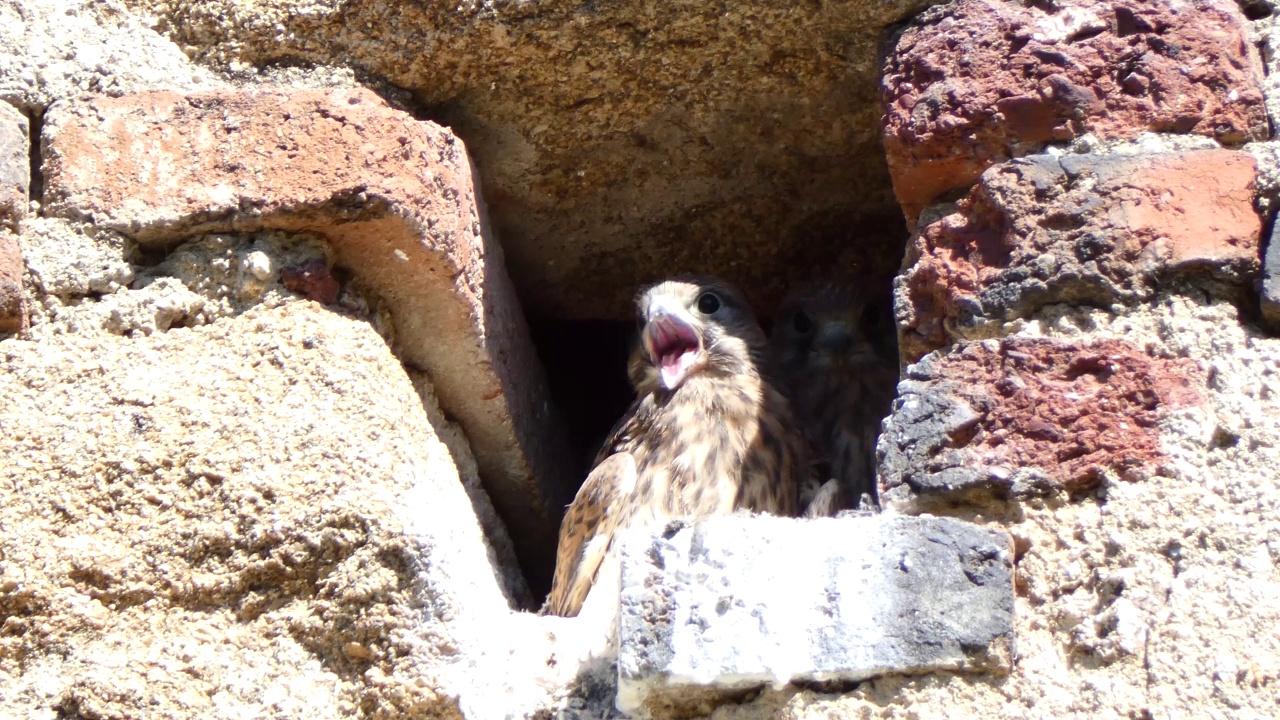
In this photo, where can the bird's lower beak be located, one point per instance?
(673, 345)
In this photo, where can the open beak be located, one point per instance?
(672, 341)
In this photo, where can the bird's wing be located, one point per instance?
(587, 532)
(827, 501)
(620, 435)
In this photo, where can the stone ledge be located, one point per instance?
(734, 604)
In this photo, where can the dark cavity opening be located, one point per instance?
(35, 121)
(586, 359)
(586, 364)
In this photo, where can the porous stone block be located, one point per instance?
(15, 178)
(737, 603)
(974, 83)
(1092, 229)
(1021, 416)
(395, 198)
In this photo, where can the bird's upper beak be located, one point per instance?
(837, 337)
(840, 346)
(672, 340)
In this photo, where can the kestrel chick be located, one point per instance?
(706, 435)
(834, 349)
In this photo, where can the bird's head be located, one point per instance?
(832, 327)
(692, 326)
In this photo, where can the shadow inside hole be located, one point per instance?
(586, 364)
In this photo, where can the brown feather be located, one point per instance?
(839, 368)
(722, 440)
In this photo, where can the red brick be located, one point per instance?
(976, 82)
(396, 199)
(1061, 413)
(1080, 228)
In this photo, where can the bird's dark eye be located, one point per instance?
(708, 303)
(802, 323)
(871, 315)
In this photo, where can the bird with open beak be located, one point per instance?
(707, 433)
(834, 349)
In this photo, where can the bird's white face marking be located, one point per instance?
(672, 340)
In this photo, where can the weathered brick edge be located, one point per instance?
(396, 199)
(1096, 229)
(15, 179)
(1018, 417)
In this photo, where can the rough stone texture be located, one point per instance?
(619, 141)
(68, 260)
(15, 179)
(1093, 229)
(224, 500)
(976, 82)
(189, 519)
(393, 196)
(50, 49)
(864, 596)
(1013, 417)
(1140, 599)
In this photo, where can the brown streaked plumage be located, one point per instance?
(834, 349)
(706, 435)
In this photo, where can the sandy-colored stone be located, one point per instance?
(623, 141)
(206, 280)
(976, 82)
(338, 434)
(250, 514)
(395, 199)
(50, 49)
(1093, 229)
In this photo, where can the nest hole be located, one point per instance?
(585, 359)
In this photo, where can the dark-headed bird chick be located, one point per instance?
(707, 434)
(834, 349)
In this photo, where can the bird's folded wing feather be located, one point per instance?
(587, 532)
(827, 501)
